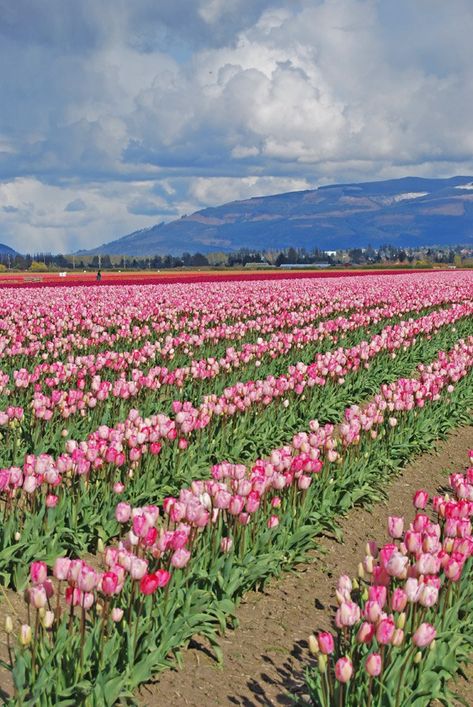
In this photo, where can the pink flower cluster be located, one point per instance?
(129, 441)
(146, 556)
(91, 389)
(400, 582)
(49, 322)
(11, 413)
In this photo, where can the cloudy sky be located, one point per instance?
(118, 114)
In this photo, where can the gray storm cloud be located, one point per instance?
(105, 105)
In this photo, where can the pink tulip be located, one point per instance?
(372, 611)
(343, 669)
(38, 572)
(398, 599)
(385, 553)
(397, 565)
(37, 597)
(61, 568)
(424, 635)
(325, 642)
(365, 633)
(373, 664)
(395, 526)
(163, 577)
(348, 614)
(226, 544)
(421, 521)
(453, 570)
(180, 558)
(413, 541)
(385, 630)
(377, 594)
(138, 568)
(51, 500)
(420, 499)
(345, 585)
(398, 637)
(412, 589)
(117, 614)
(236, 505)
(87, 579)
(109, 582)
(123, 512)
(428, 596)
(149, 584)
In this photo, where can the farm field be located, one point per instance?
(166, 448)
(75, 278)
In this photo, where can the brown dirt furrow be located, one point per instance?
(265, 656)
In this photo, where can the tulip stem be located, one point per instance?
(401, 676)
(132, 593)
(137, 620)
(58, 608)
(370, 688)
(35, 640)
(10, 658)
(82, 631)
(446, 603)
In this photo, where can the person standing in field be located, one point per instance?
(99, 276)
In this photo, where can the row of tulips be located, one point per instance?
(92, 387)
(126, 443)
(102, 394)
(109, 401)
(44, 323)
(73, 507)
(298, 323)
(47, 323)
(97, 633)
(167, 344)
(401, 625)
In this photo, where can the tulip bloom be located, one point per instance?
(117, 614)
(25, 635)
(109, 582)
(378, 594)
(226, 544)
(343, 669)
(428, 596)
(325, 642)
(385, 630)
(395, 526)
(149, 584)
(424, 635)
(123, 512)
(38, 572)
(365, 633)
(373, 664)
(348, 614)
(61, 568)
(180, 558)
(420, 499)
(398, 599)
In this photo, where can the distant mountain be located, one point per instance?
(404, 212)
(6, 250)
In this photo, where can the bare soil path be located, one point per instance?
(264, 658)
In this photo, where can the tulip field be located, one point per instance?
(165, 448)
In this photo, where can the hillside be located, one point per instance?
(6, 250)
(404, 212)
